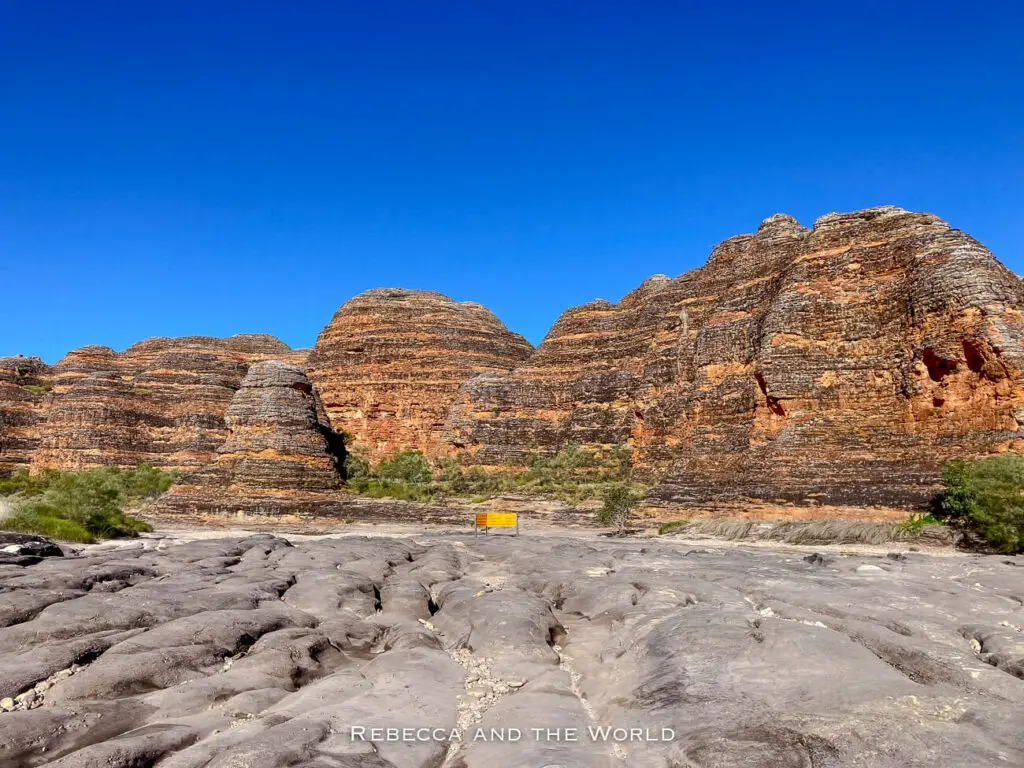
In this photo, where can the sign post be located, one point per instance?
(488, 520)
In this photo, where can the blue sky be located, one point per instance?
(229, 167)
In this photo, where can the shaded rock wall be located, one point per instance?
(160, 401)
(390, 362)
(279, 456)
(841, 363)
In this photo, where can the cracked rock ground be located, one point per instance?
(257, 653)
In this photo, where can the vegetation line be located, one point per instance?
(81, 507)
(572, 475)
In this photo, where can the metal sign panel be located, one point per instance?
(488, 520)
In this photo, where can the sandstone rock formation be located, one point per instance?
(842, 363)
(390, 362)
(279, 456)
(25, 384)
(253, 652)
(160, 401)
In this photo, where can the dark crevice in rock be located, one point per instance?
(899, 629)
(774, 404)
(982, 645)
(556, 635)
(975, 360)
(912, 663)
(289, 582)
(938, 367)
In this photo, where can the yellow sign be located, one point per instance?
(488, 520)
(496, 520)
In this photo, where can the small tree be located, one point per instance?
(355, 465)
(619, 502)
(986, 496)
(405, 467)
(81, 506)
(147, 482)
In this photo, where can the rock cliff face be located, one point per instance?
(842, 363)
(25, 384)
(279, 456)
(391, 361)
(160, 401)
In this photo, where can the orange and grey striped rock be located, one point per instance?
(160, 401)
(24, 397)
(842, 363)
(279, 455)
(391, 361)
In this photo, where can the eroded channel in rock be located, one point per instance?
(259, 653)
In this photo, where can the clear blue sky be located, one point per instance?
(172, 168)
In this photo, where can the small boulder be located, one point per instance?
(27, 545)
(869, 569)
(819, 558)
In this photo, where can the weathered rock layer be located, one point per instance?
(843, 363)
(279, 456)
(391, 361)
(160, 401)
(25, 383)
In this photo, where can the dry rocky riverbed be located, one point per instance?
(254, 652)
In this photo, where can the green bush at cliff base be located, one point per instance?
(619, 502)
(81, 506)
(986, 497)
(410, 467)
(572, 475)
(384, 489)
(918, 521)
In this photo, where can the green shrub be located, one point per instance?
(147, 482)
(21, 482)
(50, 527)
(619, 501)
(82, 506)
(355, 466)
(38, 389)
(385, 489)
(918, 521)
(985, 496)
(573, 475)
(405, 467)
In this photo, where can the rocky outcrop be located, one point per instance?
(279, 458)
(25, 384)
(160, 401)
(24, 549)
(380, 652)
(842, 363)
(391, 361)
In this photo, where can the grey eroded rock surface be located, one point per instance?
(257, 653)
